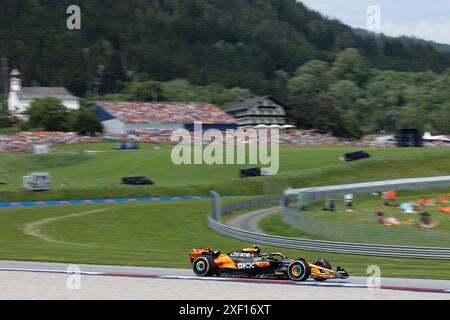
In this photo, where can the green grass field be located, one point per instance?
(160, 234)
(77, 175)
(150, 234)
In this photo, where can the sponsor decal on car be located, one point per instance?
(246, 266)
(241, 255)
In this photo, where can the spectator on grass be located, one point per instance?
(427, 202)
(348, 199)
(329, 205)
(384, 198)
(444, 209)
(407, 208)
(390, 221)
(392, 198)
(425, 221)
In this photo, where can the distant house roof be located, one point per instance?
(31, 93)
(246, 104)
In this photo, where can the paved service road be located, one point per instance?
(250, 221)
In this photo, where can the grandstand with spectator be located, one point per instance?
(122, 117)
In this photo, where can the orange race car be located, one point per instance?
(252, 264)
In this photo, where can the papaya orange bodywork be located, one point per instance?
(263, 264)
(197, 252)
(321, 272)
(225, 262)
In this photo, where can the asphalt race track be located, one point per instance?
(35, 280)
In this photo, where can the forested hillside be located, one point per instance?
(218, 51)
(238, 43)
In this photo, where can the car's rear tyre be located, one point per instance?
(205, 266)
(299, 270)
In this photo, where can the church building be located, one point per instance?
(20, 98)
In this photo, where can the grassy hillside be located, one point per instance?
(80, 175)
(149, 234)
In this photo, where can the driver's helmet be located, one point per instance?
(257, 249)
(321, 263)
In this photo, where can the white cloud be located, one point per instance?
(438, 31)
(422, 19)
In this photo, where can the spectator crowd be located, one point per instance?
(24, 141)
(166, 112)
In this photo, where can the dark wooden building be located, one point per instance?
(259, 110)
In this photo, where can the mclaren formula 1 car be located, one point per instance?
(252, 264)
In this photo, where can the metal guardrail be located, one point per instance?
(214, 221)
(248, 204)
(401, 184)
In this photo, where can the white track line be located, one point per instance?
(51, 271)
(34, 228)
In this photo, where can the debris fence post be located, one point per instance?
(216, 206)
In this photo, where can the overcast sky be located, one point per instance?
(428, 20)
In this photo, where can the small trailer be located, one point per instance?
(37, 181)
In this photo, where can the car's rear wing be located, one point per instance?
(198, 252)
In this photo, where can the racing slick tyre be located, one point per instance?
(299, 270)
(205, 266)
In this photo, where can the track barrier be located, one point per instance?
(368, 249)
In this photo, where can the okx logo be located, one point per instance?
(246, 266)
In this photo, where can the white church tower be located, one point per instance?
(20, 98)
(15, 86)
(15, 82)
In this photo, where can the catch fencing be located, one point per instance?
(400, 184)
(434, 251)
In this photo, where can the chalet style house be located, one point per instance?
(259, 110)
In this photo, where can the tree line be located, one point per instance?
(350, 99)
(332, 77)
(345, 97)
(249, 44)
